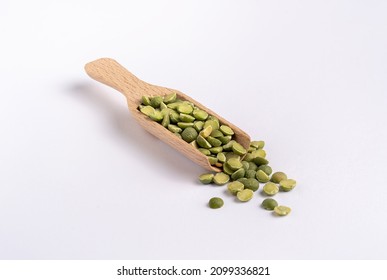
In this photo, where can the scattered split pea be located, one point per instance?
(242, 168)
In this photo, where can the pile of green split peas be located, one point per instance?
(243, 170)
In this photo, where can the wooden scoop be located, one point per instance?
(109, 72)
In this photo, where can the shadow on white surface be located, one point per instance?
(152, 150)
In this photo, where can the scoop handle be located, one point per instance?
(111, 73)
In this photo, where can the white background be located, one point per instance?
(79, 179)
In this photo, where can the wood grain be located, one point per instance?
(111, 73)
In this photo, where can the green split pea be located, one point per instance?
(242, 168)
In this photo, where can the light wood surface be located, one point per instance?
(111, 73)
